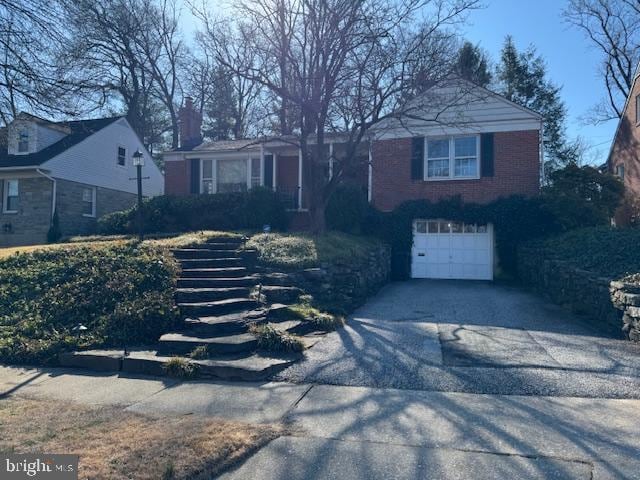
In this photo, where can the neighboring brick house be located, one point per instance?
(80, 170)
(624, 157)
(457, 139)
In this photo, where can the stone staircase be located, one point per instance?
(215, 296)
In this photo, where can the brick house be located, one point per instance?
(624, 156)
(457, 139)
(80, 170)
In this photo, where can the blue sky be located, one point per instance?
(572, 62)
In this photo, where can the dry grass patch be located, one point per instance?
(117, 445)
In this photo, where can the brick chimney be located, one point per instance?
(190, 125)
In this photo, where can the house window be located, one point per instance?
(231, 176)
(451, 158)
(637, 109)
(10, 199)
(255, 172)
(225, 176)
(122, 156)
(89, 202)
(23, 141)
(620, 171)
(438, 158)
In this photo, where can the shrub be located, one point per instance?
(122, 292)
(178, 367)
(582, 196)
(228, 211)
(347, 209)
(275, 341)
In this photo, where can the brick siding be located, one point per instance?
(516, 171)
(177, 177)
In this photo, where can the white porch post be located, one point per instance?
(330, 160)
(299, 178)
(275, 171)
(370, 172)
(262, 164)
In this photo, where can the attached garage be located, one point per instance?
(454, 250)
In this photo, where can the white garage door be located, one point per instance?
(446, 249)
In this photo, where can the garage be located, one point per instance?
(454, 250)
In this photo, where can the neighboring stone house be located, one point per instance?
(457, 139)
(624, 156)
(79, 169)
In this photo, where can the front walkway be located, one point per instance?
(367, 433)
(473, 337)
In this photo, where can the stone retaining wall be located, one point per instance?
(349, 283)
(611, 305)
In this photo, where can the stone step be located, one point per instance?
(211, 262)
(245, 367)
(190, 295)
(192, 253)
(223, 325)
(216, 307)
(246, 281)
(223, 272)
(216, 246)
(223, 239)
(185, 342)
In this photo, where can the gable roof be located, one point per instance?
(79, 130)
(624, 109)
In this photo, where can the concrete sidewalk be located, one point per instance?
(360, 432)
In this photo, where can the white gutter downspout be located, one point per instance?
(54, 192)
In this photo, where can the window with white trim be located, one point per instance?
(637, 109)
(255, 172)
(122, 156)
(23, 141)
(89, 202)
(452, 158)
(10, 196)
(225, 175)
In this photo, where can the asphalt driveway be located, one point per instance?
(474, 337)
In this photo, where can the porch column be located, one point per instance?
(299, 178)
(275, 172)
(262, 164)
(330, 160)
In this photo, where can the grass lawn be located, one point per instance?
(116, 444)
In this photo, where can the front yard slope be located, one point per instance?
(84, 296)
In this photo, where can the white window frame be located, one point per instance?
(5, 195)
(24, 132)
(214, 172)
(93, 201)
(118, 156)
(452, 159)
(260, 176)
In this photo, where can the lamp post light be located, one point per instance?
(138, 162)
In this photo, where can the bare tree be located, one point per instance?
(613, 27)
(330, 59)
(33, 75)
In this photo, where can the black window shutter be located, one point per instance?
(486, 155)
(268, 171)
(417, 158)
(195, 175)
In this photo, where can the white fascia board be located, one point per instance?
(461, 129)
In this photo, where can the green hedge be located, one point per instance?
(228, 211)
(610, 252)
(120, 292)
(347, 209)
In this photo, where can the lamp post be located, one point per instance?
(138, 162)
